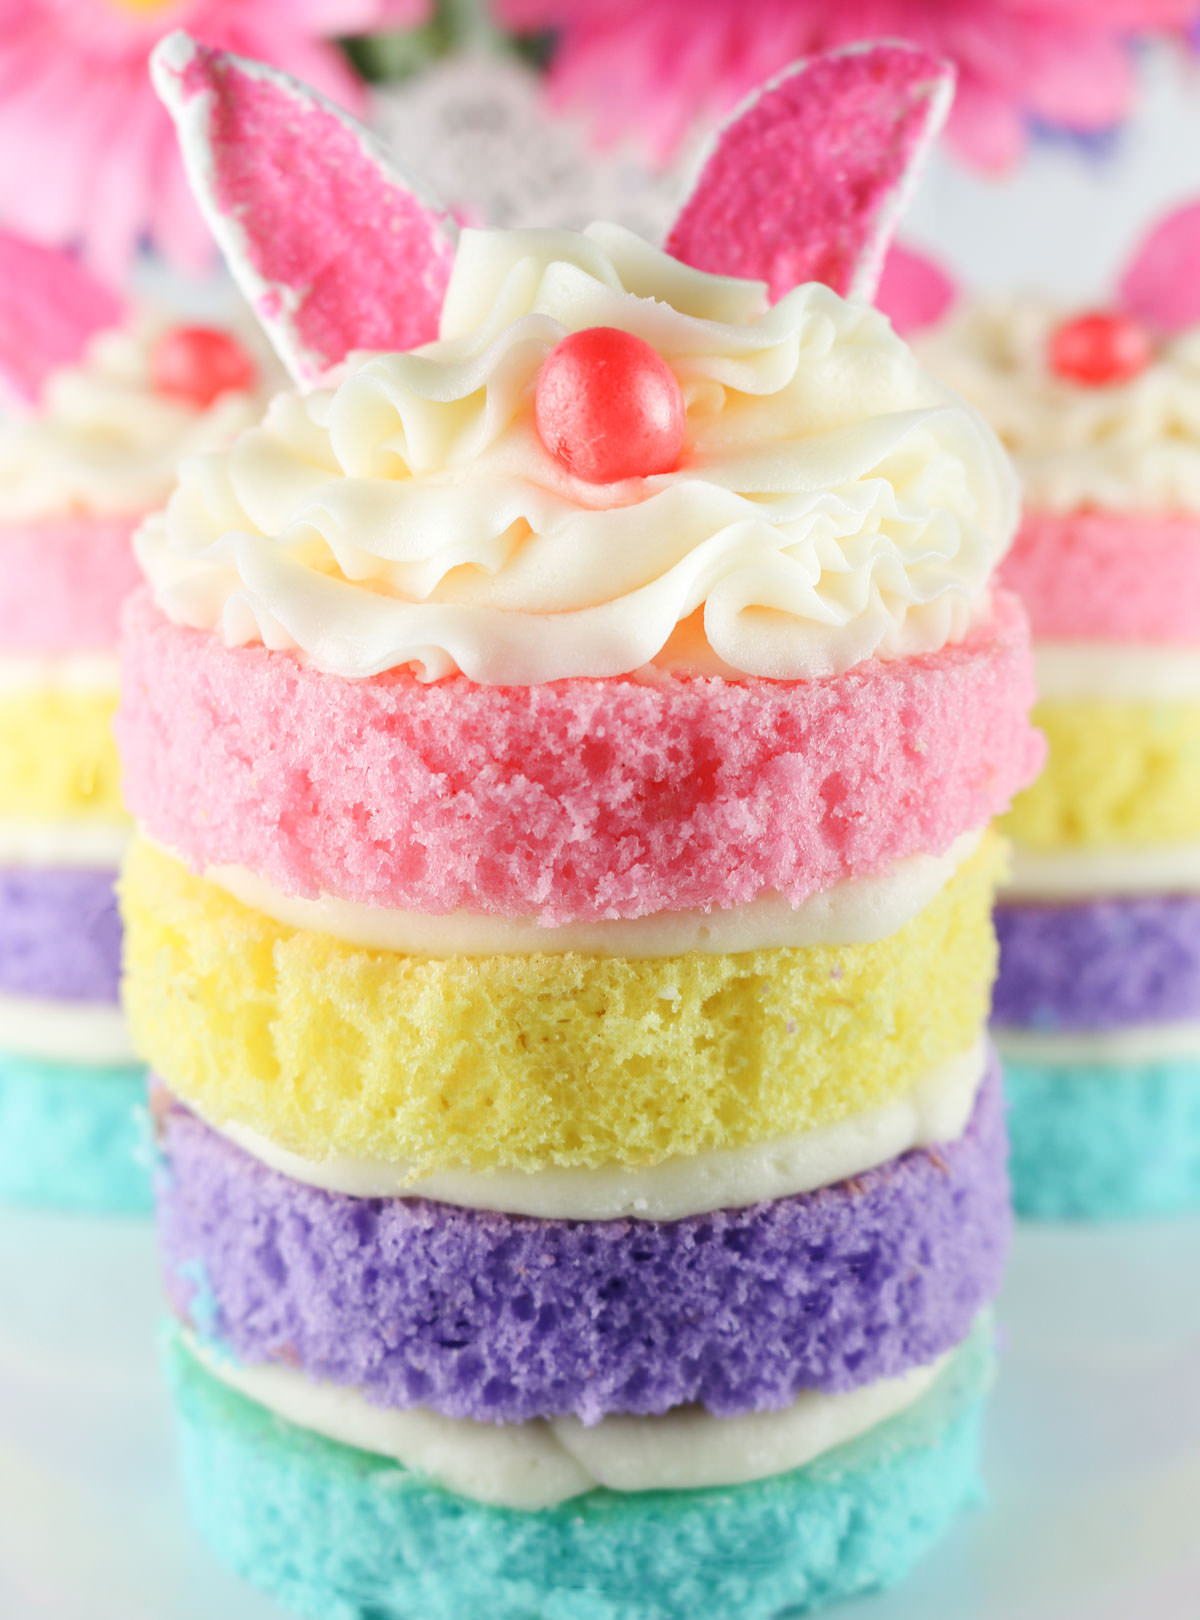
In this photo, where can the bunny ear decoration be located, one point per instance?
(335, 248)
(914, 291)
(49, 308)
(1162, 284)
(809, 178)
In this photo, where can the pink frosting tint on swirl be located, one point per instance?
(576, 799)
(65, 579)
(1108, 576)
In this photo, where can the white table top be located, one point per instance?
(1094, 1440)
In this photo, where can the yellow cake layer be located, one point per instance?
(528, 1061)
(57, 755)
(1119, 774)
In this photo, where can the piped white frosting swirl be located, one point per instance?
(832, 501)
(1127, 447)
(104, 440)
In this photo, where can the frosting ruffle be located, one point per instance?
(832, 502)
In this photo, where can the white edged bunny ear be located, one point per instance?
(808, 179)
(334, 246)
(50, 306)
(1162, 283)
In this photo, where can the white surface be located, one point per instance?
(1094, 1440)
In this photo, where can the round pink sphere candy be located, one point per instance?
(609, 407)
(199, 364)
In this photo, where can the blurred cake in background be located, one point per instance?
(104, 400)
(1097, 1007)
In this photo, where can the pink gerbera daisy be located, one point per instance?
(655, 66)
(87, 152)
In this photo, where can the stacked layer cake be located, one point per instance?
(560, 925)
(1097, 1008)
(80, 466)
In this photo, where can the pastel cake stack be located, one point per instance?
(1097, 1007)
(90, 451)
(561, 923)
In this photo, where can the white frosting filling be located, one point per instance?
(938, 1110)
(1132, 1043)
(76, 673)
(103, 439)
(1129, 447)
(63, 843)
(64, 1031)
(1088, 874)
(544, 1462)
(832, 502)
(1117, 671)
(855, 912)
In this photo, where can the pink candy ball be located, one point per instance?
(199, 364)
(1099, 349)
(609, 407)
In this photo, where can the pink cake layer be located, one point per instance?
(65, 579)
(578, 799)
(1108, 576)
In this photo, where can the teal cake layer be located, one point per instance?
(1104, 1142)
(339, 1534)
(73, 1137)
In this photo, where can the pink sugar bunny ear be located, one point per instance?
(49, 308)
(1162, 284)
(335, 248)
(914, 292)
(808, 179)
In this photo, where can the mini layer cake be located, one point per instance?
(93, 449)
(561, 917)
(1097, 1008)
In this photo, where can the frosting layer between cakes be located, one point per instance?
(524, 1061)
(326, 1528)
(937, 1110)
(504, 1318)
(543, 1463)
(569, 801)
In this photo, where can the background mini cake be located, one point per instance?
(1097, 1008)
(112, 398)
(561, 916)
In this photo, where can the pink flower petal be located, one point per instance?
(914, 292)
(49, 308)
(806, 183)
(1162, 284)
(332, 245)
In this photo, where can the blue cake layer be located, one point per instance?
(1104, 1141)
(338, 1534)
(73, 1137)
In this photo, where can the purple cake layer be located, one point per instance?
(60, 934)
(1099, 964)
(505, 1318)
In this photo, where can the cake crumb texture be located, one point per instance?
(328, 1048)
(1104, 1142)
(576, 799)
(73, 1137)
(1119, 775)
(57, 755)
